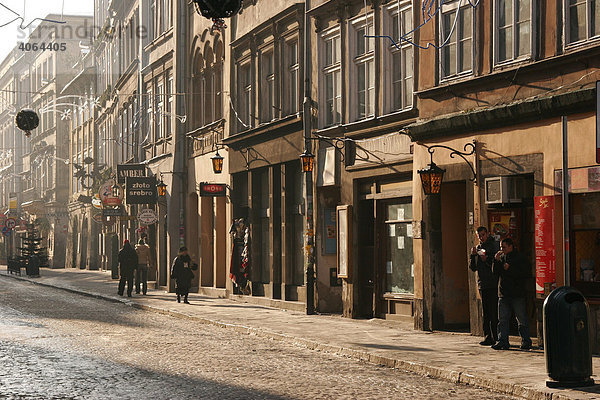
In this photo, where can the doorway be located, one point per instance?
(455, 279)
(366, 267)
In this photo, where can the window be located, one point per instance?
(398, 249)
(150, 112)
(513, 29)
(208, 96)
(152, 28)
(267, 87)
(169, 105)
(292, 80)
(332, 79)
(245, 96)
(364, 68)
(583, 20)
(456, 40)
(401, 58)
(159, 110)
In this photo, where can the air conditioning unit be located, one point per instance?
(503, 189)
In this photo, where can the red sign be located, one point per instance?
(213, 189)
(545, 257)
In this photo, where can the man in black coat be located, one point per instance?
(513, 269)
(128, 262)
(481, 260)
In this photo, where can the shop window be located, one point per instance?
(399, 265)
(585, 235)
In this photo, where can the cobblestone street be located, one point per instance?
(61, 345)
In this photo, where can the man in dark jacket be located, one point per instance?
(128, 262)
(481, 259)
(512, 267)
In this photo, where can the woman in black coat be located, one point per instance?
(181, 271)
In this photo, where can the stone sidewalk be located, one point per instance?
(455, 357)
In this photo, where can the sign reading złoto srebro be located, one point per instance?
(140, 190)
(125, 171)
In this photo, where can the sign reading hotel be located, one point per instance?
(545, 256)
(125, 171)
(140, 190)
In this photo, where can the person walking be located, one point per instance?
(141, 275)
(181, 271)
(513, 269)
(128, 262)
(481, 261)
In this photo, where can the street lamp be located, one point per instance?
(308, 161)
(217, 163)
(431, 178)
(432, 175)
(161, 188)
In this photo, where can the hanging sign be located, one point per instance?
(125, 171)
(545, 257)
(147, 216)
(99, 218)
(11, 223)
(140, 190)
(111, 212)
(213, 189)
(96, 202)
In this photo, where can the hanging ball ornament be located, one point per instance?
(217, 10)
(27, 120)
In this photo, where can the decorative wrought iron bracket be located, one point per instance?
(468, 149)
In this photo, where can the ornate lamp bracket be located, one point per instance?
(468, 149)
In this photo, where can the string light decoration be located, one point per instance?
(218, 10)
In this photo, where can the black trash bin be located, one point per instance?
(567, 339)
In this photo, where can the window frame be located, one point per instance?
(267, 86)
(291, 105)
(390, 51)
(366, 59)
(532, 34)
(245, 95)
(451, 8)
(566, 26)
(336, 67)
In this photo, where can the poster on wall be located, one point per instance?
(545, 256)
(505, 223)
(344, 240)
(329, 231)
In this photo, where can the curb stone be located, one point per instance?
(445, 374)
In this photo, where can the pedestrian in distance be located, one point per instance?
(181, 271)
(128, 262)
(481, 261)
(141, 275)
(513, 269)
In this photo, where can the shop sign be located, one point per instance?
(106, 194)
(11, 223)
(99, 218)
(581, 180)
(125, 171)
(141, 190)
(111, 212)
(545, 256)
(213, 189)
(147, 216)
(96, 202)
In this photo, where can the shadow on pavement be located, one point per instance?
(391, 347)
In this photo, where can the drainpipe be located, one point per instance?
(309, 234)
